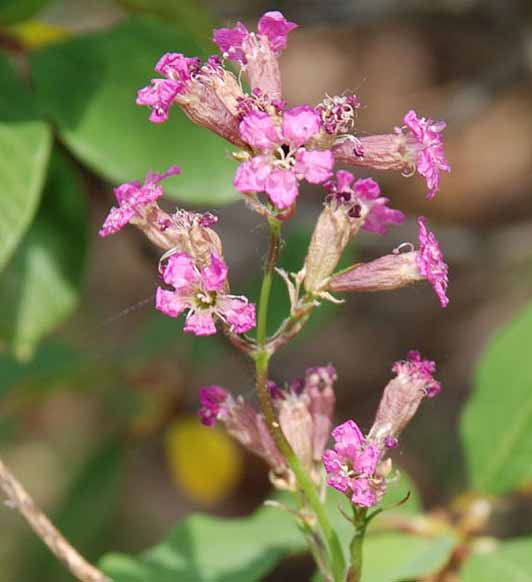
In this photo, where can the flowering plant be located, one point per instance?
(339, 496)
(278, 148)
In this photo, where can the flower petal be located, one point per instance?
(300, 124)
(315, 166)
(281, 187)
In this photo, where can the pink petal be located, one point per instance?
(344, 179)
(251, 176)
(331, 461)
(366, 459)
(300, 124)
(275, 26)
(258, 130)
(169, 302)
(347, 435)
(380, 217)
(239, 314)
(315, 166)
(213, 276)
(116, 220)
(230, 41)
(281, 187)
(200, 323)
(362, 493)
(367, 189)
(180, 271)
(127, 192)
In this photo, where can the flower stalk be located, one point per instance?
(262, 359)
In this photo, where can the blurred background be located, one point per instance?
(98, 392)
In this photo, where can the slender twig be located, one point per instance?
(19, 499)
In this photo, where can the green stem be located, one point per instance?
(262, 358)
(360, 523)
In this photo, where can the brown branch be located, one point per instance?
(19, 499)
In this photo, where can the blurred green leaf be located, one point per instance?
(41, 284)
(497, 421)
(12, 11)
(211, 549)
(510, 562)
(395, 557)
(86, 514)
(88, 87)
(189, 15)
(24, 151)
(50, 366)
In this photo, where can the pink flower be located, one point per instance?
(236, 43)
(160, 95)
(431, 264)
(402, 396)
(212, 399)
(208, 94)
(425, 140)
(282, 160)
(202, 292)
(368, 207)
(134, 201)
(352, 467)
(418, 146)
(399, 269)
(419, 372)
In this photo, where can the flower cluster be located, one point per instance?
(305, 409)
(357, 465)
(278, 148)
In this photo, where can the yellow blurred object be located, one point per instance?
(204, 462)
(34, 34)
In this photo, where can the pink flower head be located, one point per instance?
(282, 160)
(430, 262)
(352, 466)
(160, 95)
(364, 198)
(134, 199)
(419, 372)
(236, 43)
(202, 292)
(212, 399)
(426, 141)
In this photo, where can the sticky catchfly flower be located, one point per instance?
(257, 53)
(281, 160)
(417, 146)
(402, 396)
(353, 466)
(202, 293)
(135, 201)
(400, 269)
(211, 400)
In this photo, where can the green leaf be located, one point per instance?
(510, 562)
(394, 557)
(41, 285)
(86, 515)
(24, 151)
(211, 549)
(12, 11)
(88, 87)
(190, 15)
(497, 422)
